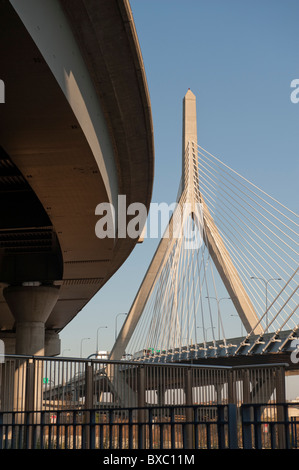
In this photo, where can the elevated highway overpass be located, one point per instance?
(75, 131)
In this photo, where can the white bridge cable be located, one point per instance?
(243, 266)
(247, 266)
(167, 329)
(289, 317)
(261, 238)
(211, 206)
(154, 323)
(253, 185)
(247, 212)
(280, 326)
(258, 220)
(159, 290)
(205, 260)
(288, 283)
(201, 162)
(255, 294)
(280, 263)
(188, 305)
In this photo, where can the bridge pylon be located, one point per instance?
(190, 205)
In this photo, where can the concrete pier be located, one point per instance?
(31, 307)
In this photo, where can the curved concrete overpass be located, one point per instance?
(75, 131)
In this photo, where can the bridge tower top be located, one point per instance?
(189, 145)
(189, 120)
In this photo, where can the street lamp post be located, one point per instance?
(116, 323)
(65, 350)
(205, 330)
(218, 308)
(83, 339)
(241, 323)
(266, 281)
(98, 337)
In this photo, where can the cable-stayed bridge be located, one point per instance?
(227, 241)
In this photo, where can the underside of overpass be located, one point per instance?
(75, 131)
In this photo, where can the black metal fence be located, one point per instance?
(196, 427)
(124, 428)
(76, 404)
(269, 426)
(39, 383)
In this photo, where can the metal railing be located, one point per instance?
(78, 403)
(269, 426)
(123, 428)
(40, 383)
(184, 427)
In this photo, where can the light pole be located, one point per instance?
(98, 337)
(65, 350)
(83, 339)
(205, 330)
(116, 323)
(266, 281)
(218, 308)
(241, 323)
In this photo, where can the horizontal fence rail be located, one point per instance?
(84, 403)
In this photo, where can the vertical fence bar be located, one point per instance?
(246, 386)
(294, 432)
(131, 429)
(141, 405)
(232, 426)
(281, 398)
(257, 427)
(272, 436)
(88, 403)
(208, 435)
(150, 428)
(1, 430)
(92, 432)
(221, 426)
(246, 426)
(74, 419)
(57, 429)
(42, 429)
(110, 423)
(172, 429)
(188, 401)
(231, 387)
(29, 403)
(161, 428)
(286, 426)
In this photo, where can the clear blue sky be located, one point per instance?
(239, 58)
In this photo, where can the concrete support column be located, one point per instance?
(31, 307)
(30, 338)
